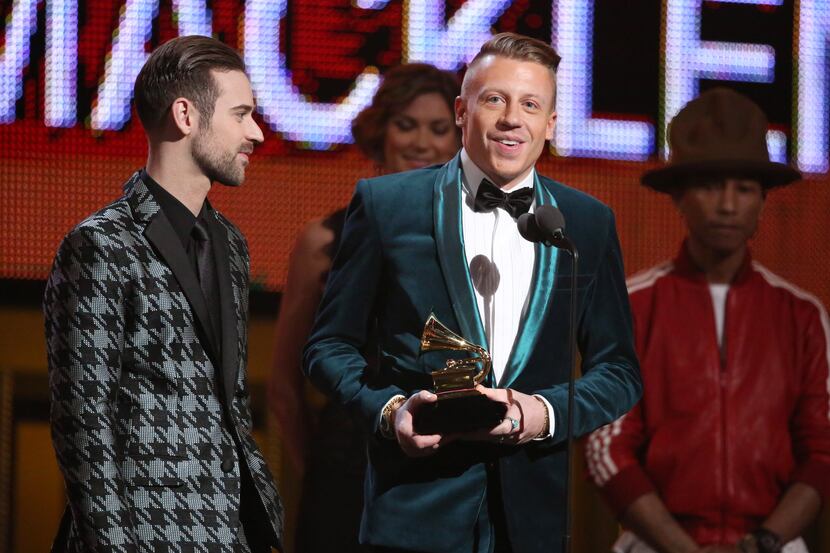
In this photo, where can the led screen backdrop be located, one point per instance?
(69, 136)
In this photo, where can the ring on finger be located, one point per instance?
(514, 423)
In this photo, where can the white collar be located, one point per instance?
(472, 176)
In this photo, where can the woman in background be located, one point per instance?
(409, 124)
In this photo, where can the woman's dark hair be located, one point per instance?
(401, 85)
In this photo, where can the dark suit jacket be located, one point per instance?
(140, 423)
(402, 257)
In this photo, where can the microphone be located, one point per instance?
(528, 228)
(546, 225)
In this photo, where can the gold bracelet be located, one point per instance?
(387, 429)
(546, 428)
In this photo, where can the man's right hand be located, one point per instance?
(416, 445)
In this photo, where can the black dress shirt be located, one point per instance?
(178, 214)
(183, 221)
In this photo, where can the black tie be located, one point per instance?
(206, 266)
(490, 197)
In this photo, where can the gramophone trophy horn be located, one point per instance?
(460, 407)
(458, 375)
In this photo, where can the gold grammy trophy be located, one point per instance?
(460, 407)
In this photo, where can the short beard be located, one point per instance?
(218, 166)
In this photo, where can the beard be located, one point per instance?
(217, 164)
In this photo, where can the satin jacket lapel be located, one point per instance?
(449, 240)
(159, 232)
(229, 351)
(538, 305)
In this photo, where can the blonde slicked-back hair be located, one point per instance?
(518, 47)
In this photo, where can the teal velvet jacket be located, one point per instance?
(402, 257)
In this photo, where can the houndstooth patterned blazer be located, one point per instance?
(137, 391)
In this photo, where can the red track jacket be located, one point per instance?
(720, 443)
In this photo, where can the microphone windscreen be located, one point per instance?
(549, 220)
(528, 228)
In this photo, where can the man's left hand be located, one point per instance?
(523, 421)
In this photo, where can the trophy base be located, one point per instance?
(461, 411)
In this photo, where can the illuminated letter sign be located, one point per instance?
(15, 55)
(428, 36)
(577, 132)
(689, 59)
(193, 17)
(428, 40)
(283, 106)
(61, 63)
(112, 109)
(811, 131)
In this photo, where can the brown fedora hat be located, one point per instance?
(719, 133)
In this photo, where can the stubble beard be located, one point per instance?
(219, 166)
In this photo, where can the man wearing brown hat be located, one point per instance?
(729, 448)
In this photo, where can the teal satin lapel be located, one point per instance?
(450, 243)
(544, 272)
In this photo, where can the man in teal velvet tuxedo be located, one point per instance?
(444, 240)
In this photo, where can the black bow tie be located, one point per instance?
(489, 197)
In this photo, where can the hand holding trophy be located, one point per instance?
(460, 407)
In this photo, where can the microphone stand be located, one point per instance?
(550, 233)
(565, 243)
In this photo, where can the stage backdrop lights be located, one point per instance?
(69, 134)
(428, 35)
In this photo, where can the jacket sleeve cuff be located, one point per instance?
(625, 487)
(815, 474)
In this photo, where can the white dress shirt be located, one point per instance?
(501, 265)
(501, 268)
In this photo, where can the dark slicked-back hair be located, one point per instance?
(180, 68)
(401, 85)
(522, 48)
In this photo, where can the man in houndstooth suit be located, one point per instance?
(146, 311)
